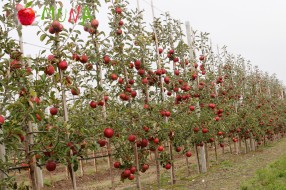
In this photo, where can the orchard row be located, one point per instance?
(134, 90)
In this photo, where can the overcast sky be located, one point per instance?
(256, 29)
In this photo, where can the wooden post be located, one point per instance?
(188, 166)
(251, 147)
(203, 159)
(138, 182)
(65, 108)
(235, 147)
(94, 161)
(239, 145)
(207, 155)
(215, 150)
(81, 167)
(157, 169)
(173, 177)
(29, 128)
(189, 40)
(162, 92)
(245, 143)
(34, 127)
(198, 158)
(229, 142)
(110, 164)
(31, 158)
(2, 157)
(191, 54)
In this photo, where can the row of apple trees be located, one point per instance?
(130, 90)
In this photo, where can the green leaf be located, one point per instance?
(43, 36)
(29, 4)
(75, 165)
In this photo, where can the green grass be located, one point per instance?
(272, 177)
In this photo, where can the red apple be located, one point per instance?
(57, 26)
(133, 169)
(120, 23)
(145, 167)
(36, 100)
(94, 23)
(167, 80)
(113, 77)
(133, 94)
(75, 57)
(15, 64)
(63, 65)
(120, 80)
(53, 110)
(92, 104)
(101, 103)
(131, 138)
(75, 91)
(156, 140)
(106, 59)
(196, 129)
(160, 148)
(167, 113)
(202, 58)
(101, 142)
(131, 177)
(38, 117)
(178, 149)
(192, 108)
(108, 132)
(118, 10)
(219, 133)
(83, 59)
(26, 16)
(137, 63)
(176, 72)
(50, 70)
(127, 172)
(119, 31)
(2, 119)
(22, 137)
(211, 105)
(145, 128)
(188, 154)
(144, 81)
(19, 7)
(144, 143)
(116, 164)
(51, 165)
(168, 166)
(205, 130)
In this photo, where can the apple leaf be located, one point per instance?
(75, 165)
(43, 36)
(29, 4)
(33, 92)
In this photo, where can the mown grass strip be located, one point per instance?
(272, 177)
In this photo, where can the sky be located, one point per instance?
(256, 29)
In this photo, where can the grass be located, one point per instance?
(272, 177)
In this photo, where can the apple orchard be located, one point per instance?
(145, 97)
